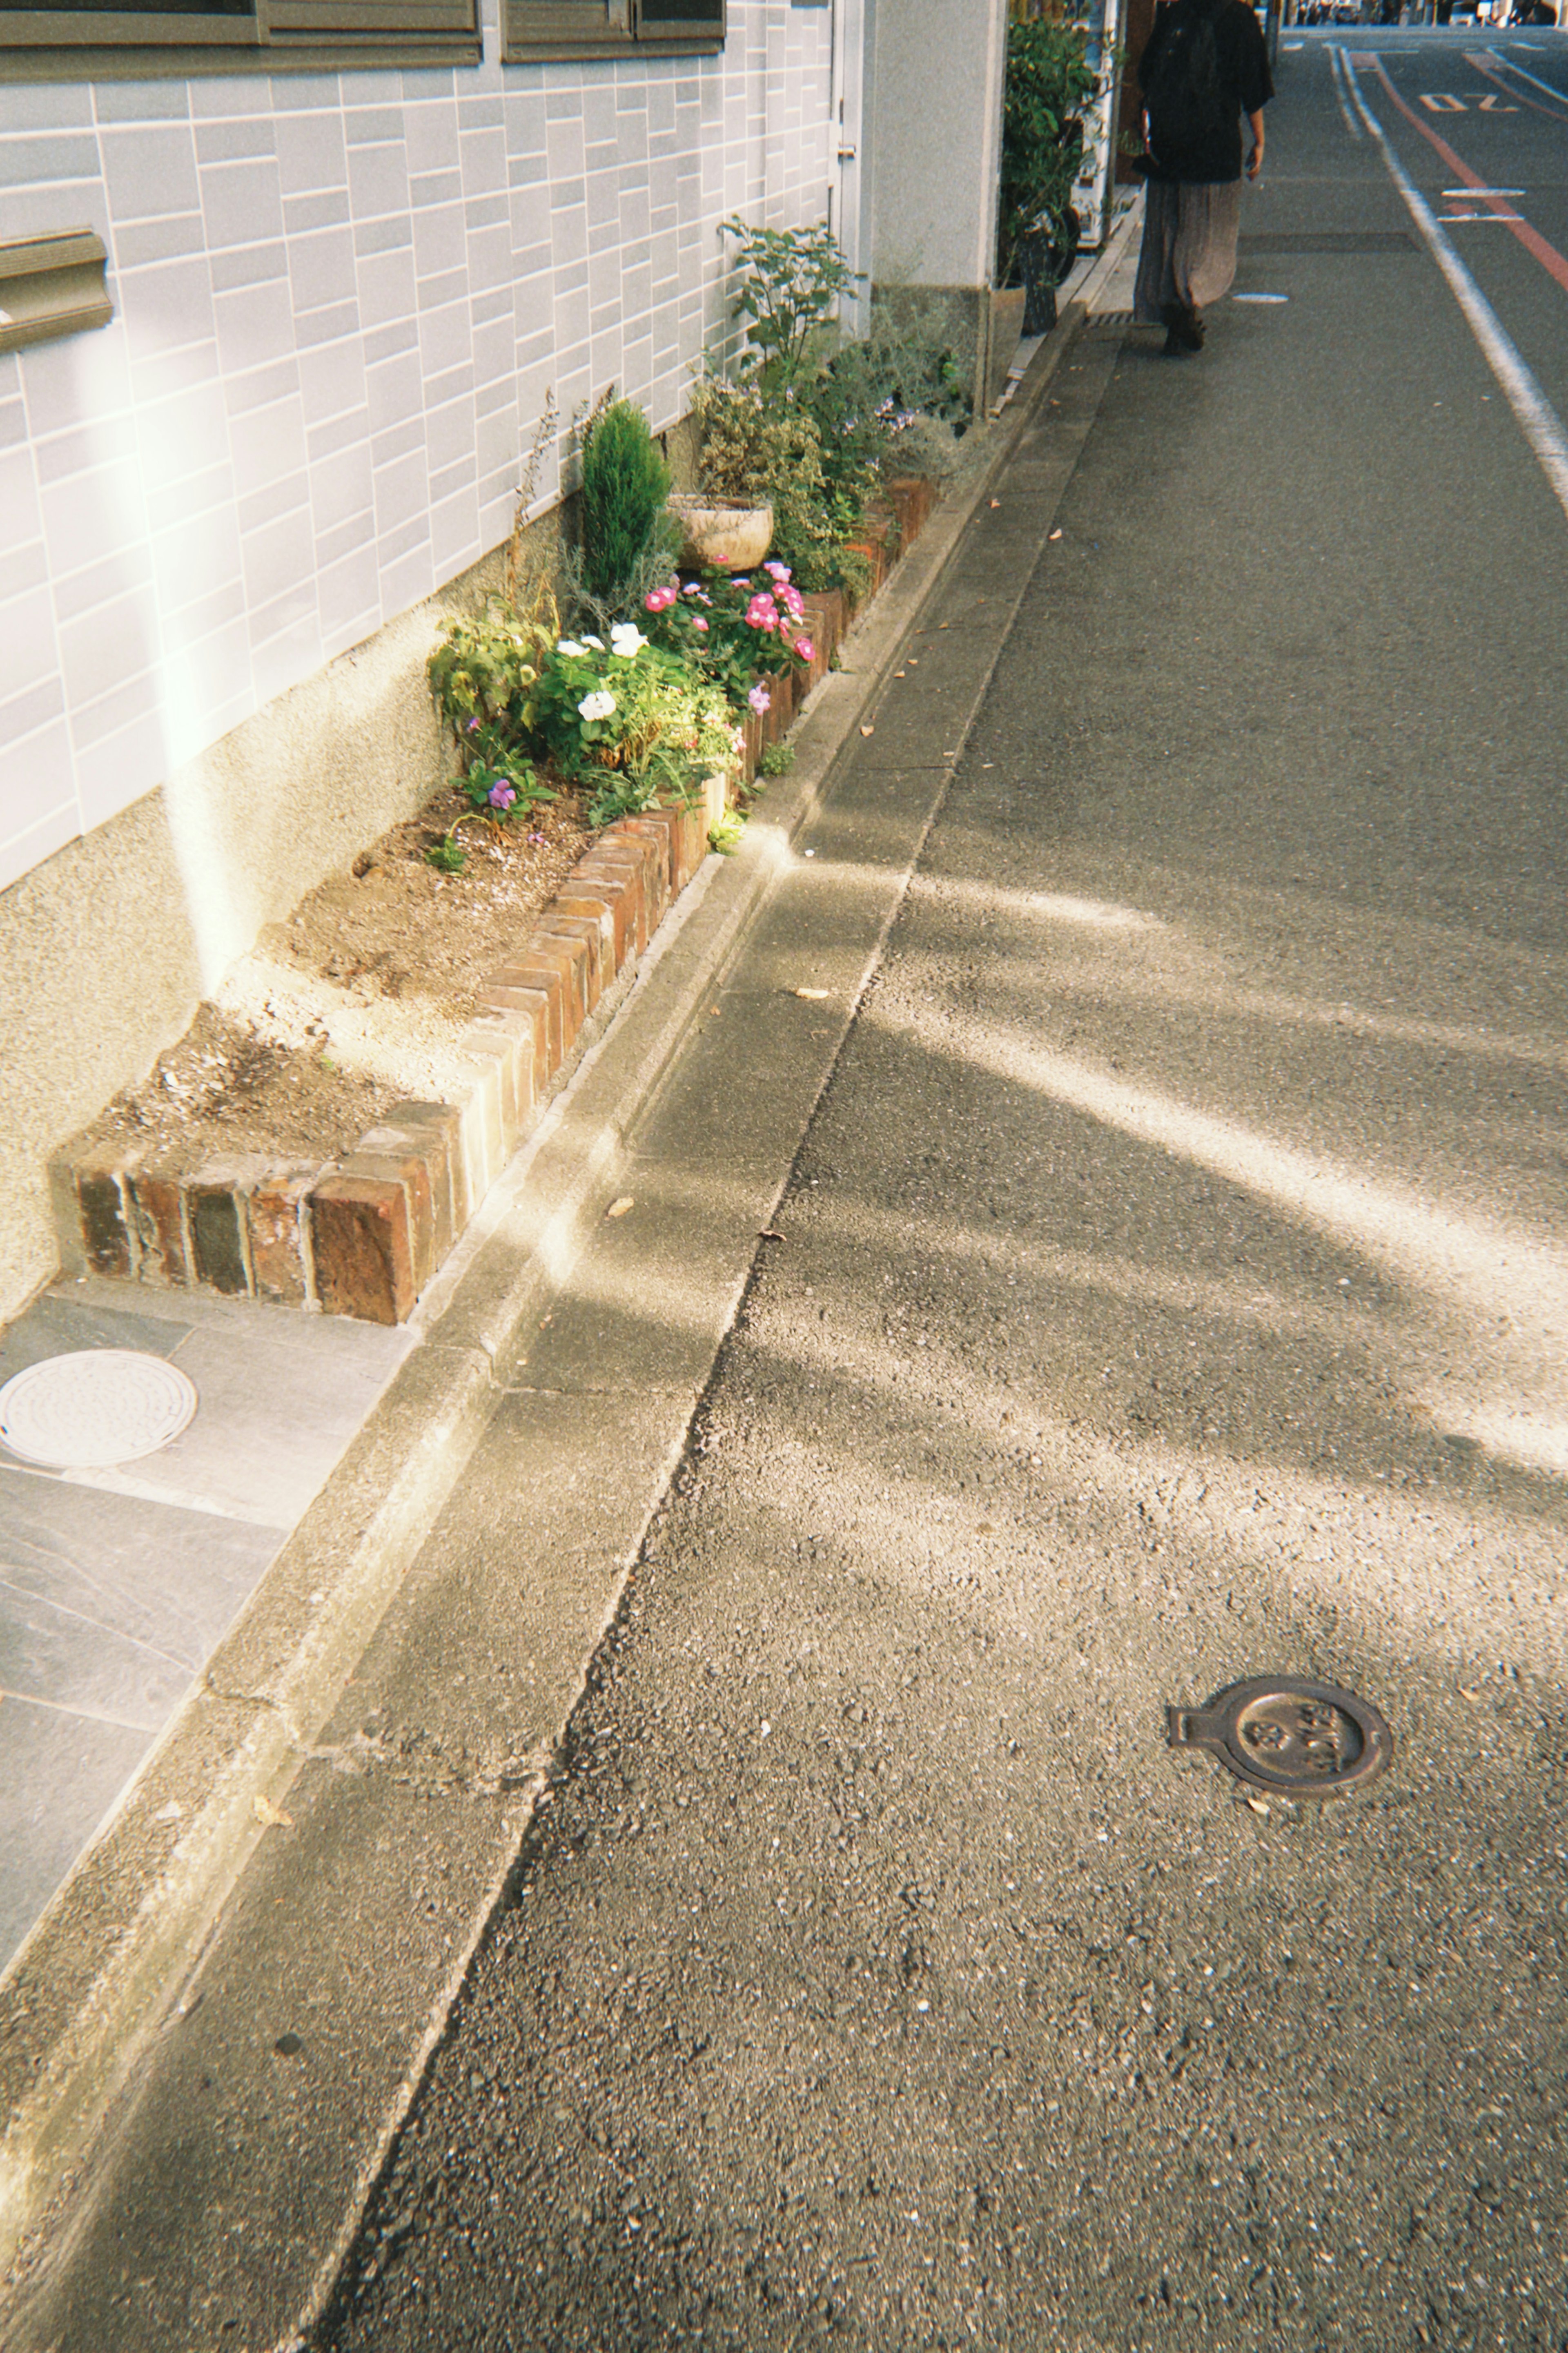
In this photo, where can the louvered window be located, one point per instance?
(190, 36)
(603, 28)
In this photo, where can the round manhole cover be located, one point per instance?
(1298, 1740)
(93, 1408)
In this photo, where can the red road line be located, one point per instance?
(1551, 260)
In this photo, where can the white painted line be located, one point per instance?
(1485, 192)
(1337, 68)
(1261, 297)
(1478, 216)
(1537, 420)
(1525, 75)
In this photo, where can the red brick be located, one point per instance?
(620, 871)
(412, 1171)
(521, 989)
(215, 1222)
(554, 924)
(568, 960)
(275, 1215)
(433, 1130)
(158, 1210)
(95, 1232)
(658, 825)
(604, 904)
(652, 842)
(507, 1041)
(824, 628)
(361, 1243)
(911, 498)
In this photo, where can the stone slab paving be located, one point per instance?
(117, 1586)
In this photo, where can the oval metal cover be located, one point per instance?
(1298, 1740)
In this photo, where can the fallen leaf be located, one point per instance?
(770, 1234)
(1475, 1697)
(1053, 534)
(618, 1208)
(1258, 1804)
(271, 1817)
(986, 1528)
(899, 674)
(996, 503)
(814, 994)
(867, 731)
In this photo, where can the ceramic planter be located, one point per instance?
(722, 534)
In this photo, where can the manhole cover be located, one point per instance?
(1298, 1740)
(93, 1408)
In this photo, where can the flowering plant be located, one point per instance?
(733, 629)
(633, 716)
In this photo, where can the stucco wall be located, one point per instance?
(935, 107)
(341, 301)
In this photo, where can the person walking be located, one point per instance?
(1204, 64)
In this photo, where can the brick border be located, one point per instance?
(363, 1234)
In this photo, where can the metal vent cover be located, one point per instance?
(1298, 1739)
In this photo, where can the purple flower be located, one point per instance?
(760, 699)
(473, 726)
(501, 797)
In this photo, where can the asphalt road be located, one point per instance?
(1173, 1289)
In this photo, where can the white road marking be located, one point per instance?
(1337, 68)
(1261, 297)
(1525, 75)
(1537, 420)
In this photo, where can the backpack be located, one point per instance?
(1182, 86)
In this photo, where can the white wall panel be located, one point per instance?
(341, 300)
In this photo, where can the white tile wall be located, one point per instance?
(341, 300)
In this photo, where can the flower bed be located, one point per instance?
(362, 1232)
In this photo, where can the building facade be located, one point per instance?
(285, 293)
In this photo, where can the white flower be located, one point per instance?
(569, 646)
(598, 644)
(597, 706)
(627, 639)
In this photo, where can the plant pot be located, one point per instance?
(722, 534)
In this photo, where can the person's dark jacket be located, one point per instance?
(1242, 85)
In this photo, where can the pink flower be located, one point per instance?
(501, 797)
(698, 622)
(760, 699)
(762, 613)
(806, 650)
(791, 600)
(779, 571)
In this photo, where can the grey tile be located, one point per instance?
(64, 1773)
(57, 1327)
(271, 1422)
(50, 1654)
(142, 1571)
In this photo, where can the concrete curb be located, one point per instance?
(105, 1969)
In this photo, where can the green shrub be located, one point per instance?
(1048, 82)
(790, 280)
(625, 485)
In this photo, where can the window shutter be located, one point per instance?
(566, 28)
(291, 21)
(681, 20)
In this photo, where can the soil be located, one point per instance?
(357, 1001)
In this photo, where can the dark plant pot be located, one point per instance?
(1044, 256)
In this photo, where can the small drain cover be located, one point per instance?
(93, 1408)
(1298, 1740)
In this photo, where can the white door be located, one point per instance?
(850, 187)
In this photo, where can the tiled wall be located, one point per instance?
(340, 300)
